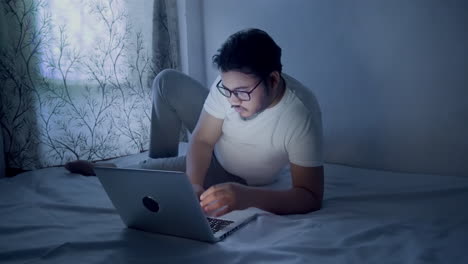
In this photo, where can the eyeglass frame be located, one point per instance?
(237, 92)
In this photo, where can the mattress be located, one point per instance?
(368, 216)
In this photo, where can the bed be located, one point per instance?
(368, 216)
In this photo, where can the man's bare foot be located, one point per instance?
(82, 167)
(85, 167)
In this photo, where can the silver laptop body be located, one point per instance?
(164, 202)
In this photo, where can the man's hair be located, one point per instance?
(250, 51)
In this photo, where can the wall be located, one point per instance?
(391, 76)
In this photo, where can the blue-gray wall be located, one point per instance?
(391, 76)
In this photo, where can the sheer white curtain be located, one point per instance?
(76, 77)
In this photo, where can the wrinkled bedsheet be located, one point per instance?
(368, 216)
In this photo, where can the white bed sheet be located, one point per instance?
(369, 216)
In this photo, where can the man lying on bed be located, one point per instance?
(251, 123)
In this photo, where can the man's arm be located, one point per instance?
(204, 137)
(305, 195)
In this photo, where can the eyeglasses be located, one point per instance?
(241, 95)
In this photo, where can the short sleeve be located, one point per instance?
(215, 103)
(305, 144)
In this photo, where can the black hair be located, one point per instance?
(250, 51)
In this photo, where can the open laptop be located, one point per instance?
(164, 202)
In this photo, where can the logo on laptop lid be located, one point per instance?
(150, 204)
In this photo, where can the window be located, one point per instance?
(81, 37)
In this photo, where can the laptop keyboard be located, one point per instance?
(218, 224)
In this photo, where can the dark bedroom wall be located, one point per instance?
(391, 76)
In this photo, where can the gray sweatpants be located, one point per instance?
(178, 99)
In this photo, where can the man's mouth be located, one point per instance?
(238, 108)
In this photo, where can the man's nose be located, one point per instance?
(234, 100)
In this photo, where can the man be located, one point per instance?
(252, 122)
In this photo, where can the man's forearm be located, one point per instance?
(292, 201)
(198, 161)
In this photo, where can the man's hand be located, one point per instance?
(224, 198)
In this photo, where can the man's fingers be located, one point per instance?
(210, 190)
(209, 199)
(215, 205)
(223, 211)
(213, 191)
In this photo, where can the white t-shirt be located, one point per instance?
(257, 149)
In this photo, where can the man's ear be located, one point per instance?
(274, 79)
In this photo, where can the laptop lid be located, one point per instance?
(156, 201)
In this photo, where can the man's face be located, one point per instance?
(238, 81)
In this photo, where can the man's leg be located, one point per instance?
(177, 99)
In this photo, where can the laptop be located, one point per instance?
(164, 202)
